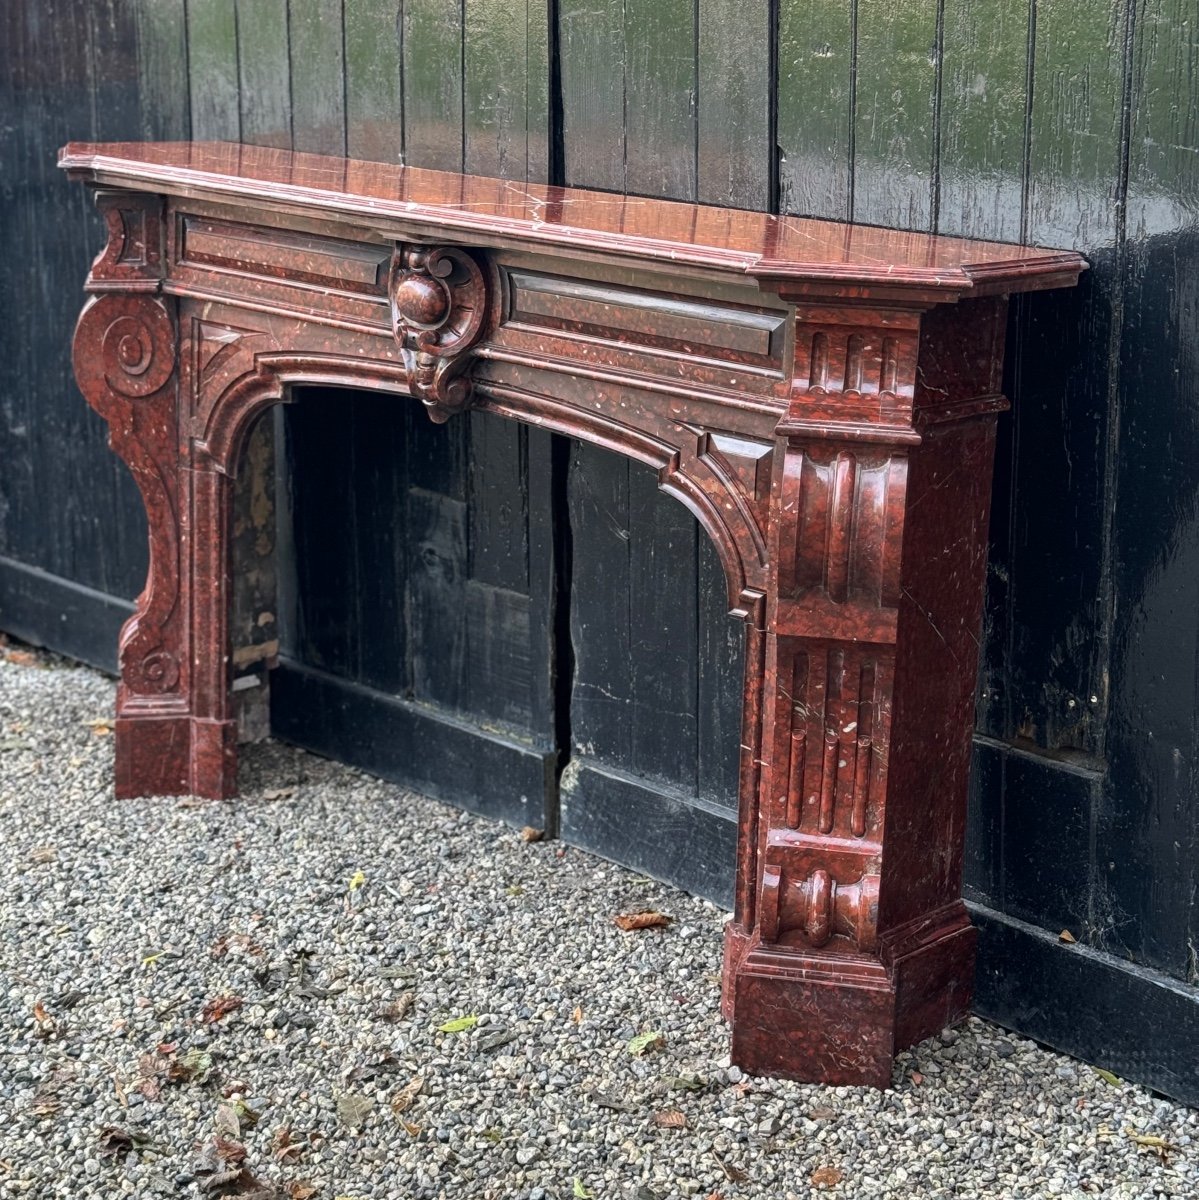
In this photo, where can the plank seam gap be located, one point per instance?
(852, 140)
(938, 98)
(1030, 56)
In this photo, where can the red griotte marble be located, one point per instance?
(822, 396)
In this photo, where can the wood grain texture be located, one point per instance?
(374, 72)
(816, 58)
(984, 97)
(212, 69)
(264, 72)
(318, 95)
(895, 109)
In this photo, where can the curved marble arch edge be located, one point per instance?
(276, 373)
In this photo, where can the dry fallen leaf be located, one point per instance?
(641, 920)
(23, 658)
(734, 1173)
(577, 1015)
(411, 1128)
(353, 1110)
(300, 1189)
(916, 1077)
(1161, 1147)
(283, 1147)
(43, 854)
(820, 1113)
(397, 1010)
(826, 1177)
(219, 1007)
(1066, 936)
(403, 1099)
(283, 793)
(226, 1121)
(671, 1118)
(529, 834)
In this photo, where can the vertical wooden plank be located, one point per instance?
(895, 104)
(432, 55)
(592, 64)
(815, 108)
(318, 112)
(733, 104)
(1148, 852)
(499, 549)
(320, 458)
(374, 100)
(984, 89)
(538, 100)
(162, 69)
(664, 639)
(600, 616)
(660, 98)
(720, 665)
(212, 70)
(1163, 166)
(1062, 377)
(504, 104)
(376, 608)
(1074, 142)
(264, 67)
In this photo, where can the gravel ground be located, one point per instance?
(209, 999)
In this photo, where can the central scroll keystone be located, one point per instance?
(438, 303)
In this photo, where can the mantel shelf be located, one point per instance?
(776, 251)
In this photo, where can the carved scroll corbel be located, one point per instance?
(438, 303)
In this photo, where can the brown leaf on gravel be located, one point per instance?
(916, 1077)
(226, 1120)
(43, 854)
(826, 1177)
(300, 1189)
(283, 1147)
(220, 1007)
(531, 834)
(229, 1151)
(23, 658)
(397, 1010)
(1066, 936)
(820, 1113)
(114, 1140)
(403, 1099)
(352, 1110)
(670, 1118)
(641, 920)
(733, 1173)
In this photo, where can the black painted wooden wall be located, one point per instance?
(424, 601)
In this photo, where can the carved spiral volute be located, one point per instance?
(438, 305)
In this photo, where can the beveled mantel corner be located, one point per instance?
(822, 396)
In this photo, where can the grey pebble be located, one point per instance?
(251, 898)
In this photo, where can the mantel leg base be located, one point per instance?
(840, 1019)
(175, 756)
